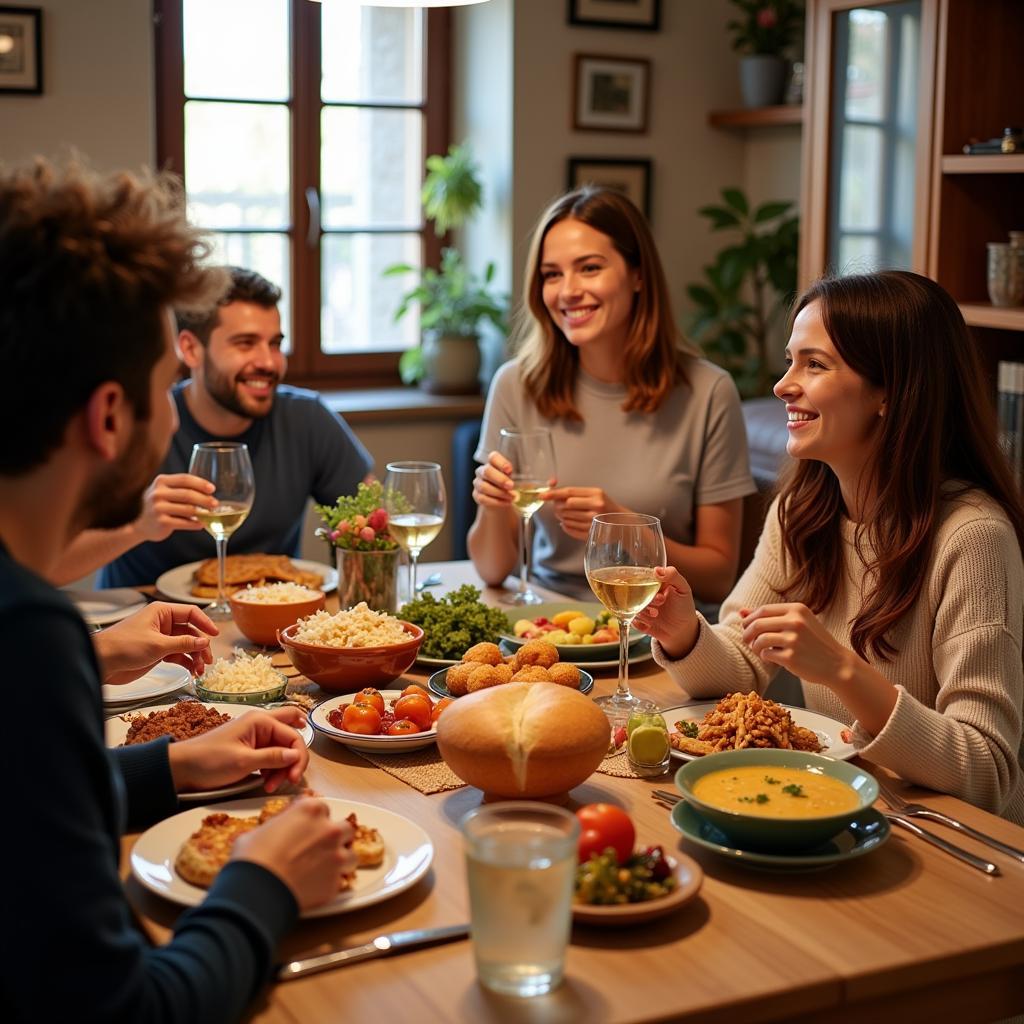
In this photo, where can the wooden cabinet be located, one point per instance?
(969, 69)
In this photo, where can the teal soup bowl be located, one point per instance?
(755, 802)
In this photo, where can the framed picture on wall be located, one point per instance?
(630, 175)
(21, 50)
(610, 94)
(644, 15)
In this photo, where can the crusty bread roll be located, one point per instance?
(523, 739)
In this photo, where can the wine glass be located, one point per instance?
(622, 552)
(533, 472)
(414, 499)
(227, 466)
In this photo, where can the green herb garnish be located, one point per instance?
(794, 790)
(771, 781)
(455, 622)
(761, 798)
(687, 728)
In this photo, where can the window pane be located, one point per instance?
(267, 255)
(861, 180)
(358, 303)
(371, 53)
(858, 254)
(236, 49)
(379, 188)
(866, 65)
(236, 164)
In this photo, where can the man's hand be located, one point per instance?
(575, 508)
(178, 633)
(169, 504)
(263, 741)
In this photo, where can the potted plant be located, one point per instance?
(747, 287)
(763, 33)
(452, 300)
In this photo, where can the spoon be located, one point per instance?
(433, 580)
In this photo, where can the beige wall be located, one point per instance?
(98, 87)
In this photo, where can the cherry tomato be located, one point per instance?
(370, 696)
(362, 719)
(416, 708)
(403, 727)
(604, 825)
(417, 690)
(439, 707)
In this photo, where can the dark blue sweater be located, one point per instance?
(69, 949)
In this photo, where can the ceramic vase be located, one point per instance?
(762, 80)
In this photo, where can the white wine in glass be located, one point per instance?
(622, 552)
(533, 471)
(227, 466)
(414, 499)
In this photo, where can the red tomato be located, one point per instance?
(403, 727)
(362, 719)
(416, 708)
(417, 690)
(439, 707)
(370, 696)
(604, 825)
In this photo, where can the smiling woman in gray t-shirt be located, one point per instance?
(638, 423)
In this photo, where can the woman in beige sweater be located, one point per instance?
(889, 575)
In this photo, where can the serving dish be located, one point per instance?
(260, 622)
(176, 583)
(689, 877)
(372, 744)
(567, 652)
(436, 683)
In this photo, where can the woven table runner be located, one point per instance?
(617, 764)
(422, 769)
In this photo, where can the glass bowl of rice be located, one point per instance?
(351, 649)
(259, 612)
(242, 679)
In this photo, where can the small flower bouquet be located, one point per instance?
(766, 26)
(358, 522)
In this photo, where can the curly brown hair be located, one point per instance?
(655, 355)
(904, 334)
(88, 264)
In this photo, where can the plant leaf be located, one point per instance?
(768, 211)
(735, 198)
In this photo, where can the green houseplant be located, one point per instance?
(746, 288)
(453, 301)
(763, 32)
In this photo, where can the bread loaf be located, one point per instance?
(523, 739)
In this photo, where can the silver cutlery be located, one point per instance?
(665, 796)
(433, 580)
(912, 810)
(978, 863)
(381, 945)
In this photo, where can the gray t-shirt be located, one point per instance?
(692, 451)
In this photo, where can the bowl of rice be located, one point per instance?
(353, 648)
(241, 679)
(259, 612)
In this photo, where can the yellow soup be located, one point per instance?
(770, 791)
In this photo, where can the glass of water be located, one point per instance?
(521, 863)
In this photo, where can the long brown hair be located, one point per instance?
(905, 335)
(653, 358)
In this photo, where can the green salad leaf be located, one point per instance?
(454, 623)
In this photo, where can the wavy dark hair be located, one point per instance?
(904, 334)
(654, 357)
(246, 286)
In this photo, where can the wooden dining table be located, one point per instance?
(905, 933)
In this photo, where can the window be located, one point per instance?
(300, 130)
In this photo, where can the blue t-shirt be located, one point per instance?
(300, 450)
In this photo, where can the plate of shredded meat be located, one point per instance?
(741, 720)
(183, 721)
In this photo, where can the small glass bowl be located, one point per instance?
(267, 696)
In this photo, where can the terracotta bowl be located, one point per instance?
(347, 669)
(260, 622)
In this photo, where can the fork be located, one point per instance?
(912, 810)
(663, 796)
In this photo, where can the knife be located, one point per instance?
(943, 844)
(380, 946)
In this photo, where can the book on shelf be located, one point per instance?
(1010, 408)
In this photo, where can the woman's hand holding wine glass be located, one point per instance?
(227, 466)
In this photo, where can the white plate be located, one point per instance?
(102, 607)
(638, 652)
(371, 744)
(827, 729)
(163, 678)
(177, 583)
(407, 857)
(116, 729)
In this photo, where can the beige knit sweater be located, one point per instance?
(956, 726)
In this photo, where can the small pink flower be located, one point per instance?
(359, 522)
(767, 18)
(378, 519)
(335, 534)
(367, 534)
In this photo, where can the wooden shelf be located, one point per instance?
(757, 117)
(981, 314)
(996, 163)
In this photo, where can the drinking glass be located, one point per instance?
(533, 472)
(414, 499)
(622, 552)
(227, 466)
(521, 867)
